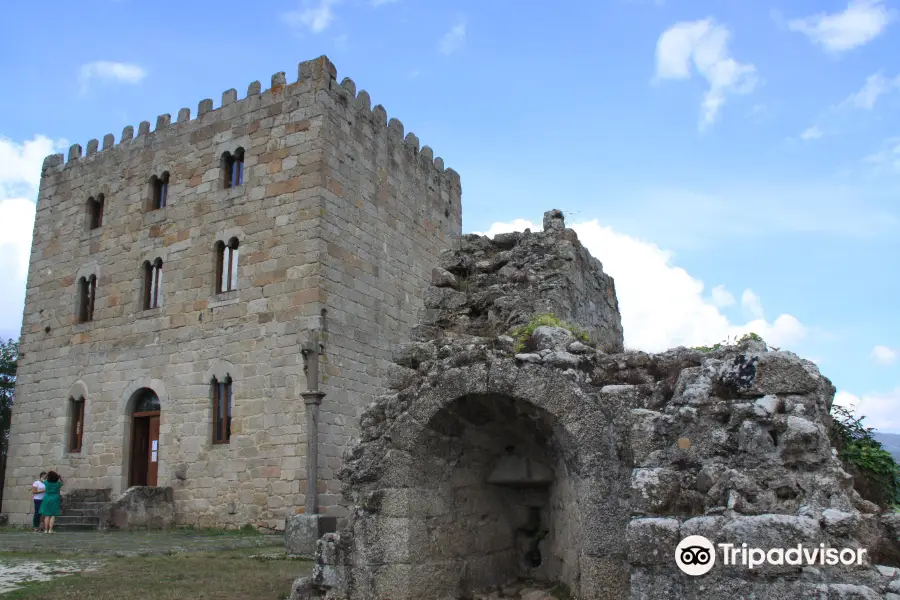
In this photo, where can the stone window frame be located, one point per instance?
(227, 257)
(231, 234)
(76, 394)
(82, 277)
(151, 289)
(219, 372)
(222, 388)
(229, 161)
(158, 184)
(148, 257)
(76, 424)
(95, 208)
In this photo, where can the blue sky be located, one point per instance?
(734, 165)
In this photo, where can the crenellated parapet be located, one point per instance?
(359, 107)
(316, 74)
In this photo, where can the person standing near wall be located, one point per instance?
(38, 489)
(50, 506)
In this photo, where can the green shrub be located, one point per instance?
(729, 342)
(523, 333)
(875, 472)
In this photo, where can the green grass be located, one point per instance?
(229, 575)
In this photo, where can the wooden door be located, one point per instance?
(153, 451)
(140, 443)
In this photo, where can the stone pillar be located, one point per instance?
(312, 398)
(301, 532)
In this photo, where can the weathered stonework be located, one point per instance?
(565, 464)
(143, 508)
(340, 219)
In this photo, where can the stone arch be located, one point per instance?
(129, 395)
(220, 370)
(92, 268)
(126, 406)
(78, 389)
(489, 475)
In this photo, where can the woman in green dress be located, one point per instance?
(50, 507)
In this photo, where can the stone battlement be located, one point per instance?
(316, 74)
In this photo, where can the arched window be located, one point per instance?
(153, 284)
(221, 410)
(233, 168)
(226, 266)
(95, 211)
(147, 401)
(76, 424)
(87, 292)
(160, 190)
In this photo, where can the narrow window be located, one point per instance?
(77, 424)
(221, 410)
(95, 211)
(233, 168)
(152, 284)
(160, 190)
(226, 266)
(87, 293)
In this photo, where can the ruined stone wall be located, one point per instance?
(638, 452)
(312, 236)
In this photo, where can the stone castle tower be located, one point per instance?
(176, 276)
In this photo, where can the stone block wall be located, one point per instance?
(331, 219)
(389, 208)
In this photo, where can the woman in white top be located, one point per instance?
(38, 488)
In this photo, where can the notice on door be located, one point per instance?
(153, 457)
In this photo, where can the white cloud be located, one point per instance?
(812, 133)
(861, 22)
(454, 40)
(316, 18)
(705, 45)
(108, 71)
(377, 3)
(880, 409)
(876, 86)
(752, 304)
(662, 305)
(721, 297)
(884, 355)
(888, 157)
(20, 176)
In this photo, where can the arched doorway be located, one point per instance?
(144, 464)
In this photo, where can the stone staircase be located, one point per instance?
(84, 510)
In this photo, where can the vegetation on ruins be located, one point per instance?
(748, 337)
(876, 473)
(523, 334)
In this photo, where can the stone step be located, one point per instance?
(80, 512)
(94, 507)
(75, 527)
(67, 519)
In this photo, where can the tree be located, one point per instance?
(9, 356)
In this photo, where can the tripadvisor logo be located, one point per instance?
(695, 555)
